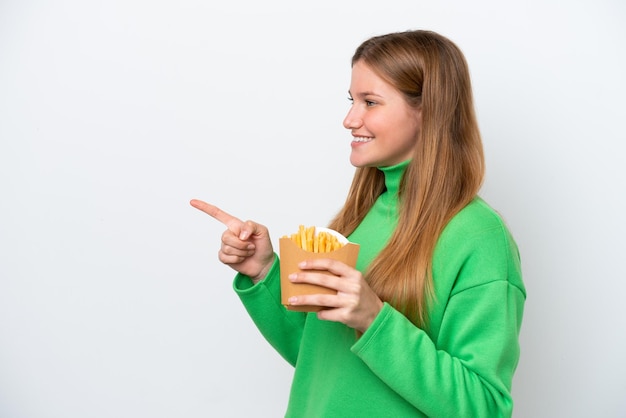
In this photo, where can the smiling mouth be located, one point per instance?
(361, 139)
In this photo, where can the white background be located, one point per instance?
(114, 114)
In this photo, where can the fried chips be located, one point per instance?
(308, 239)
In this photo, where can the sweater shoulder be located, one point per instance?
(476, 247)
(475, 218)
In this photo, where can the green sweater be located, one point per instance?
(462, 366)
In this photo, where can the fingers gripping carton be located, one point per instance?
(308, 244)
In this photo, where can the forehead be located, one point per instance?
(365, 81)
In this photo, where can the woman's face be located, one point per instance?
(384, 127)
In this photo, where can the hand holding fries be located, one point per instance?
(309, 244)
(351, 300)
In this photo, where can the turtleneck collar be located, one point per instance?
(393, 176)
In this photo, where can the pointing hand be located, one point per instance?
(246, 246)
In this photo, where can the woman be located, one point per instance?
(427, 323)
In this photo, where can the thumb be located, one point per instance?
(248, 229)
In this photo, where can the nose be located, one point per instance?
(352, 120)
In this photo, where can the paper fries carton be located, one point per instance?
(291, 255)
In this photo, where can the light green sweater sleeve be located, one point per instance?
(281, 328)
(463, 366)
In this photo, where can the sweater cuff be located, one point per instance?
(374, 328)
(242, 284)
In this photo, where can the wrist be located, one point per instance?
(373, 315)
(263, 273)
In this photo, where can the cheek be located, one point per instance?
(409, 135)
(379, 124)
(413, 123)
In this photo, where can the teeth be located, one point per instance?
(362, 139)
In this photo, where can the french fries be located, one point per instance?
(320, 242)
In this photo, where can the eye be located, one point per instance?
(350, 99)
(370, 103)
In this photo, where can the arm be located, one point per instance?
(464, 364)
(280, 327)
(247, 248)
(468, 372)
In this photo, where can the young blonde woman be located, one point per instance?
(427, 324)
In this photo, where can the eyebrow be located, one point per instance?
(365, 93)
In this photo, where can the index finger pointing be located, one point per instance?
(233, 223)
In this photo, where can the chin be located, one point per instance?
(358, 163)
(359, 159)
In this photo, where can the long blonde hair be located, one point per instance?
(445, 171)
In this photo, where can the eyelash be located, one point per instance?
(368, 103)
